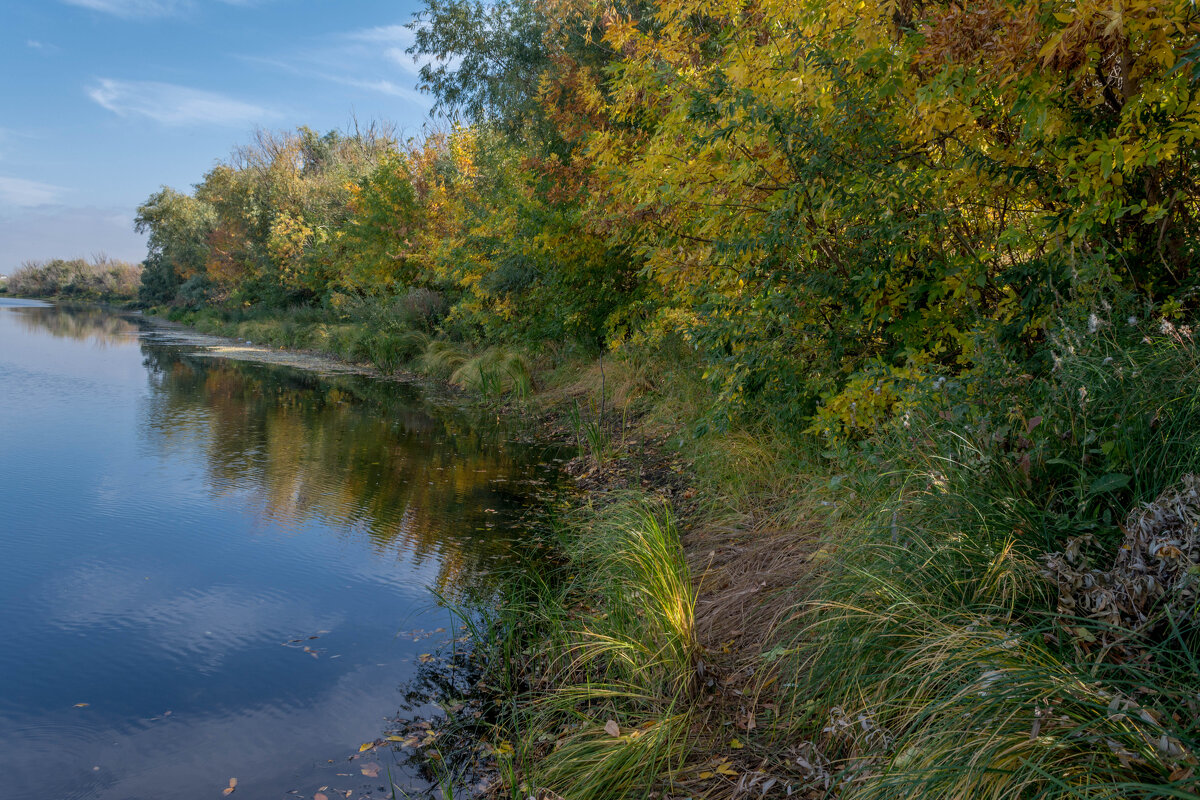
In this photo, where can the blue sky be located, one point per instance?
(103, 101)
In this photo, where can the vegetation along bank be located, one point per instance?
(874, 321)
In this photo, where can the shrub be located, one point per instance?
(100, 279)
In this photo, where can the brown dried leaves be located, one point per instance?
(1156, 572)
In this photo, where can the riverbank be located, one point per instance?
(742, 612)
(219, 346)
(735, 536)
(100, 280)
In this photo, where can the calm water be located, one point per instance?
(170, 523)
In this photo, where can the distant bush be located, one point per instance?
(101, 278)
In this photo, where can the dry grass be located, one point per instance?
(748, 583)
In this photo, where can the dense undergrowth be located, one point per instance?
(945, 638)
(951, 628)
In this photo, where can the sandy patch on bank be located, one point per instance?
(221, 347)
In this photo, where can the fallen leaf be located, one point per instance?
(735, 744)
(365, 746)
(370, 770)
(228, 790)
(612, 728)
(426, 658)
(320, 796)
(81, 705)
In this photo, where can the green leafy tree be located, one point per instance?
(484, 62)
(179, 227)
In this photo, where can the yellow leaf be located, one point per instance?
(365, 746)
(735, 744)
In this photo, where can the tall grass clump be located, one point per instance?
(395, 330)
(496, 372)
(600, 657)
(943, 658)
(591, 435)
(441, 358)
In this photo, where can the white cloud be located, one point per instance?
(392, 43)
(383, 87)
(403, 60)
(133, 8)
(143, 9)
(22, 193)
(400, 35)
(373, 59)
(175, 105)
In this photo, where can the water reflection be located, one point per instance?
(83, 323)
(367, 460)
(173, 522)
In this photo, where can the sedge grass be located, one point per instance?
(933, 656)
(495, 373)
(605, 638)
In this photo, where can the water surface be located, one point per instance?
(174, 528)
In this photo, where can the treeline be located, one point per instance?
(834, 203)
(944, 252)
(102, 279)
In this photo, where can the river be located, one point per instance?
(213, 569)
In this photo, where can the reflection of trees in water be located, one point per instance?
(77, 322)
(360, 456)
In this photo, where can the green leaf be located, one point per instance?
(1109, 483)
